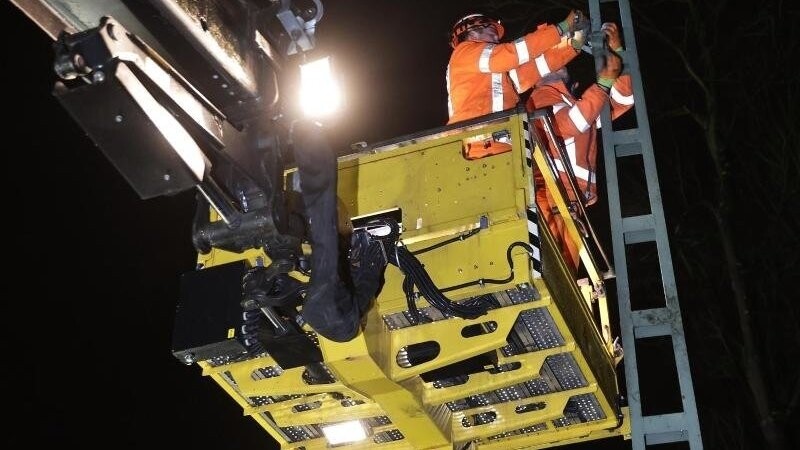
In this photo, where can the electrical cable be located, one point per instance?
(414, 270)
(482, 281)
(460, 237)
(416, 275)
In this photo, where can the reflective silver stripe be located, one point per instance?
(522, 51)
(619, 98)
(541, 65)
(579, 171)
(577, 118)
(497, 78)
(497, 92)
(514, 78)
(449, 100)
(558, 107)
(483, 61)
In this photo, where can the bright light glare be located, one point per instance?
(351, 431)
(319, 93)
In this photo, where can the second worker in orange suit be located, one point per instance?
(576, 123)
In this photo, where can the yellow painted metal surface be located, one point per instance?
(551, 375)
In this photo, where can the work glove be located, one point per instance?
(578, 39)
(612, 36)
(611, 69)
(576, 20)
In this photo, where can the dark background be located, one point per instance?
(93, 276)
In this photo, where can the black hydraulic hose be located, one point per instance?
(482, 281)
(460, 237)
(416, 275)
(414, 269)
(411, 299)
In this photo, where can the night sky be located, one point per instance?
(95, 269)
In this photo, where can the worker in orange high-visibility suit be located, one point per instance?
(576, 123)
(481, 75)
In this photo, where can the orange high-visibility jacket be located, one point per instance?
(576, 123)
(481, 77)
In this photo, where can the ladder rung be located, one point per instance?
(652, 322)
(629, 140)
(637, 237)
(663, 428)
(638, 229)
(648, 331)
(665, 438)
(628, 149)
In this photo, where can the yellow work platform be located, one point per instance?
(537, 370)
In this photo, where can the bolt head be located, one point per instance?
(98, 76)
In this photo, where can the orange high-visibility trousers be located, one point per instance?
(558, 229)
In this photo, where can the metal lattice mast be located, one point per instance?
(639, 324)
